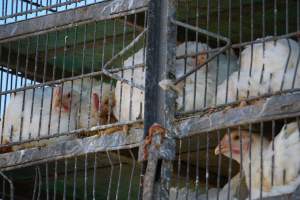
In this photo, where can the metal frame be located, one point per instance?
(68, 149)
(159, 107)
(38, 5)
(74, 147)
(69, 18)
(18, 9)
(258, 109)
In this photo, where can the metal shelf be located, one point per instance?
(72, 147)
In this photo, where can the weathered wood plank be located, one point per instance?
(276, 107)
(95, 12)
(69, 148)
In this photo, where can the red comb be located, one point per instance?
(96, 101)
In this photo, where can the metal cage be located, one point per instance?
(139, 99)
(77, 177)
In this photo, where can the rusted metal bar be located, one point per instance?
(159, 105)
(150, 173)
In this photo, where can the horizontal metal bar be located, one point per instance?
(67, 19)
(70, 148)
(52, 83)
(234, 103)
(238, 45)
(73, 132)
(269, 38)
(276, 107)
(200, 30)
(40, 9)
(60, 81)
(114, 70)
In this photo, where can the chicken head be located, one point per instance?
(102, 109)
(62, 100)
(233, 143)
(201, 59)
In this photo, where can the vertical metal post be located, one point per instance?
(159, 105)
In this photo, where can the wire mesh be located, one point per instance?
(54, 84)
(231, 51)
(17, 10)
(100, 175)
(253, 160)
(90, 77)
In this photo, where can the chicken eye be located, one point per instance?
(236, 137)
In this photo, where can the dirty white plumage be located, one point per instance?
(94, 93)
(92, 105)
(195, 92)
(130, 100)
(59, 108)
(286, 164)
(287, 159)
(236, 87)
(207, 77)
(272, 65)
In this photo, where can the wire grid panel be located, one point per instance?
(100, 175)
(17, 10)
(230, 51)
(70, 80)
(253, 160)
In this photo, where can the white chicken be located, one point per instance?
(198, 89)
(286, 165)
(129, 101)
(96, 101)
(266, 62)
(96, 106)
(236, 87)
(195, 92)
(40, 115)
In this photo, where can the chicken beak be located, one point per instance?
(217, 150)
(221, 148)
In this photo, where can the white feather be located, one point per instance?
(130, 100)
(193, 89)
(36, 123)
(286, 166)
(88, 116)
(267, 63)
